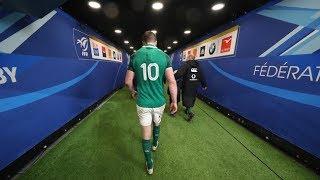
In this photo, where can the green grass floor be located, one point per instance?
(107, 145)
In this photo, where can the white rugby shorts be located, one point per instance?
(148, 115)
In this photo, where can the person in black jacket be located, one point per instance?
(192, 78)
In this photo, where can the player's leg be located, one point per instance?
(146, 146)
(145, 118)
(156, 134)
(157, 115)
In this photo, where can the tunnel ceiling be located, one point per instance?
(134, 17)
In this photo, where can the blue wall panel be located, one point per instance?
(288, 106)
(52, 85)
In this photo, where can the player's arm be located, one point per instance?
(129, 81)
(172, 88)
(130, 77)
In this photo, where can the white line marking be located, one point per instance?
(301, 41)
(288, 36)
(102, 104)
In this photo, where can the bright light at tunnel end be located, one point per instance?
(94, 4)
(218, 6)
(157, 6)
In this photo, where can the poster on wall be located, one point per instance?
(87, 47)
(220, 45)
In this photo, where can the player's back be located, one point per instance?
(149, 64)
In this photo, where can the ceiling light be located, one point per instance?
(126, 41)
(157, 6)
(169, 47)
(131, 47)
(175, 42)
(118, 31)
(165, 51)
(134, 50)
(218, 6)
(187, 31)
(94, 4)
(154, 31)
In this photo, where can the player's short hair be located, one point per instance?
(149, 36)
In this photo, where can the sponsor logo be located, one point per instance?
(114, 55)
(104, 52)
(7, 74)
(193, 77)
(95, 49)
(220, 45)
(194, 70)
(109, 54)
(89, 48)
(212, 48)
(226, 44)
(202, 51)
(195, 51)
(83, 43)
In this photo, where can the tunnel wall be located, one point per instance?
(273, 76)
(53, 78)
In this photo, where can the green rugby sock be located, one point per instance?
(156, 134)
(146, 146)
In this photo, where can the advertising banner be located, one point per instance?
(43, 84)
(281, 94)
(220, 45)
(268, 71)
(89, 47)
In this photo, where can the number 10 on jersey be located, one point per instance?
(147, 71)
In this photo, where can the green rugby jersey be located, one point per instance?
(149, 65)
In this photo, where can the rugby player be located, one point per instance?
(150, 67)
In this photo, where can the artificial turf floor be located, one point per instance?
(107, 145)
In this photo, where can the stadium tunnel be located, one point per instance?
(65, 113)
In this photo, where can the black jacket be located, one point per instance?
(191, 75)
